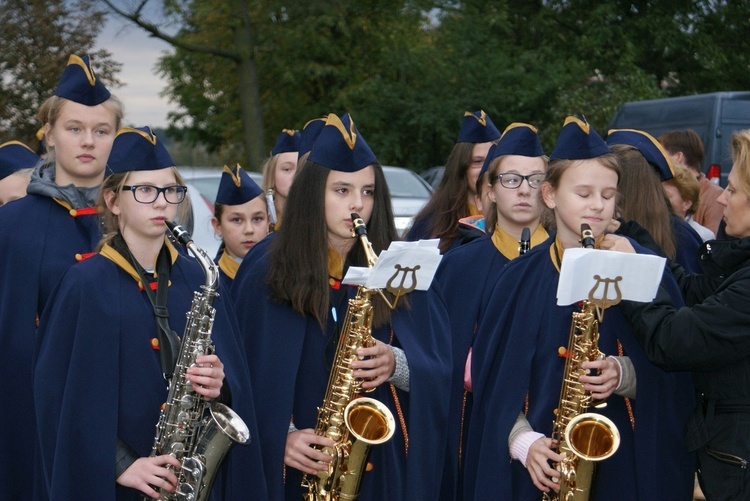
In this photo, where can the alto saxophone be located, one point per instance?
(197, 433)
(353, 423)
(582, 437)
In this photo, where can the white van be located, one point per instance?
(713, 116)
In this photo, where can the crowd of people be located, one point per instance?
(95, 290)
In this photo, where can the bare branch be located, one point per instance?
(154, 31)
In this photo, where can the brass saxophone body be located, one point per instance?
(582, 437)
(197, 433)
(354, 423)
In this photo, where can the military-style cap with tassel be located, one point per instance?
(136, 150)
(79, 83)
(287, 142)
(341, 147)
(236, 187)
(477, 127)
(15, 156)
(517, 139)
(649, 147)
(578, 141)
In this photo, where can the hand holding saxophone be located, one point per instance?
(207, 376)
(148, 474)
(375, 366)
(603, 378)
(299, 452)
(544, 476)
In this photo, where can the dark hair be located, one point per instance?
(448, 204)
(642, 197)
(298, 259)
(686, 141)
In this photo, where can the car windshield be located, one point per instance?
(403, 183)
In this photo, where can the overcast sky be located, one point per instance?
(138, 53)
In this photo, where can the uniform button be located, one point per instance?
(155, 343)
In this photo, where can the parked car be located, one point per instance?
(409, 193)
(433, 175)
(712, 116)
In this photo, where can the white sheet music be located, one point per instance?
(640, 275)
(402, 264)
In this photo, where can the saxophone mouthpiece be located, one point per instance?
(358, 226)
(179, 233)
(587, 236)
(524, 245)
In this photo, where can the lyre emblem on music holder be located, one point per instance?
(604, 301)
(400, 290)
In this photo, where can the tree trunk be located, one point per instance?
(247, 79)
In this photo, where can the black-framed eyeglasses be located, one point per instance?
(513, 181)
(147, 194)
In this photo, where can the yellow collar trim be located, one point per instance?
(228, 265)
(507, 245)
(117, 258)
(335, 264)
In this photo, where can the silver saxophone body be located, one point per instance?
(197, 433)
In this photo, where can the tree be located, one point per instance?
(37, 37)
(234, 43)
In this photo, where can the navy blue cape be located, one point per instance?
(39, 240)
(97, 377)
(275, 336)
(515, 355)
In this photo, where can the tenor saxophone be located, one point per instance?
(582, 437)
(353, 422)
(197, 433)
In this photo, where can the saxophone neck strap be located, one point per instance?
(169, 342)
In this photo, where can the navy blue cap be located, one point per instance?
(236, 187)
(341, 147)
(649, 147)
(288, 141)
(310, 133)
(137, 149)
(79, 83)
(14, 156)
(517, 139)
(578, 141)
(477, 127)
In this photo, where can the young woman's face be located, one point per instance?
(736, 208)
(286, 166)
(347, 192)
(587, 193)
(13, 187)
(518, 207)
(82, 138)
(144, 221)
(242, 226)
(478, 154)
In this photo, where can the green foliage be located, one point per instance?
(407, 70)
(37, 38)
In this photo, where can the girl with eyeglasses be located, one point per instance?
(515, 168)
(517, 366)
(105, 339)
